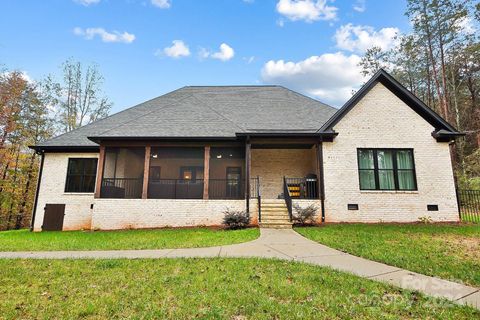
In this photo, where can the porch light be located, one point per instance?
(155, 156)
(219, 156)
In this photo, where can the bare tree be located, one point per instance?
(78, 99)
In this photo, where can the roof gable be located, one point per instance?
(448, 132)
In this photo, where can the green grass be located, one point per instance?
(23, 240)
(447, 251)
(206, 289)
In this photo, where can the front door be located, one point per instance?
(234, 176)
(53, 217)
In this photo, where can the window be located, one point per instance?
(81, 173)
(386, 169)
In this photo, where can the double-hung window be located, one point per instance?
(386, 169)
(81, 175)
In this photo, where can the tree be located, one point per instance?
(373, 60)
(78, 99)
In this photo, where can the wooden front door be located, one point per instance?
(53, 217)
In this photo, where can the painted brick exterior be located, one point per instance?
(78, 214)
(271, 165)
(157, 213)
(381, 120)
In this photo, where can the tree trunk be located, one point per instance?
(22, 212)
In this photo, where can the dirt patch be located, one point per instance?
(467, 246)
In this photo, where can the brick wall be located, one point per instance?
(156, 213)
(381, 120)
(78, 214)
(271, 165)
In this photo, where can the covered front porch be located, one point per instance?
(254, 168)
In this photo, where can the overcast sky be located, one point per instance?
(146, 48)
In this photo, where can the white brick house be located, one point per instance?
(183, 158)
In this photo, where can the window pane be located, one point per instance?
(88, 184)
(81, 175)
(404, 159)
(386, 179)
(90, 166)
(365, 159)
(73, 184)
(385, 159)
(406, 180)
(367, 180)
(75, 166)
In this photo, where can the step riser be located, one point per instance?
(272, 226)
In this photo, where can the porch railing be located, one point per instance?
(121, 188)
(469, 205)
(254, 187)
(175, 189)
(302, 188)
(226, 189)
(288, 198)
(255, 193)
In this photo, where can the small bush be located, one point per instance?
(425, 219)
(236, 219)
(303, 216)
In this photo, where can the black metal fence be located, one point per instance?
(302, 188)
(175, 189)
(122, 188)
(469, 205)
(226, 189)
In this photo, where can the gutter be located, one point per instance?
(39, 180)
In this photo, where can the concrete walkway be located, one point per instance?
(287, 245)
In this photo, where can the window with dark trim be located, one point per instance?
(81, 174)
(386, 169)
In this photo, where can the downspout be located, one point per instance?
(39, 180)
(322, 180)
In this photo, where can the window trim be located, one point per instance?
(81, 175)
(395, 169)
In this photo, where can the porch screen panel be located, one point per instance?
(227, 173)
(123, 173)
(176, 173)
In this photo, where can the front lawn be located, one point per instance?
(451, 252)
(23, 240)
(206, 289)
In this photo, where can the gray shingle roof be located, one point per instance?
(206, 112)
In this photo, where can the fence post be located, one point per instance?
(458, 204)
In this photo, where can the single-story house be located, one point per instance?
(184, 158)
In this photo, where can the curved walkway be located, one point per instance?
(287, 245)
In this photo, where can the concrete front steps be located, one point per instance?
(275, 215)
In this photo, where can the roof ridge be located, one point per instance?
(145, 114)
(307, 97)
(211, 108)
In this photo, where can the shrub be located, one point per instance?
(425, 219)
(236, 219)
(303, 216)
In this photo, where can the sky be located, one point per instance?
(145, 48)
